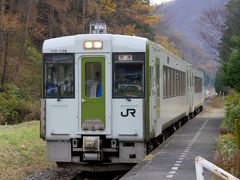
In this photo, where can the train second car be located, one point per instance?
(106, 97)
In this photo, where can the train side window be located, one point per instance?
(93, 79)
(176, 82)
(172, 82)
(58, 75)
(168, 82)
(181, 83)
(184, 83)
(164, 81)
(195, 84)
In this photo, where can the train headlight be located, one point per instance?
(91, 143)
(93, 44)
(97, 44)
(88, 44)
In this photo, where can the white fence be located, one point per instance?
(201, 163)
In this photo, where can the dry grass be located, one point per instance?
(229, 163)
(217, 102)
(22, 152)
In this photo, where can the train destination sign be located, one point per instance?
(125, 57)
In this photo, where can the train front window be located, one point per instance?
(93, 79)
(128, 78)
(59, 76)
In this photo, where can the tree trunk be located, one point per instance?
(2, 10)
(84, 18)
(23, 47)
(50, 22)
(5, 63)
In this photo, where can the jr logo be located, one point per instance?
(131, 111)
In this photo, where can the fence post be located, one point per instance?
(237, 127)
(237, 130)
(199, 169)
(201, 163)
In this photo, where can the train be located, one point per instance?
(108, 98)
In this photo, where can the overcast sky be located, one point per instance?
(159, 1)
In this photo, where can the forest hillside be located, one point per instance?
(185, 22)
(25, 24)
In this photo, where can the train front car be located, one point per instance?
(93, 101)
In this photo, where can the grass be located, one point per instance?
(22, 152)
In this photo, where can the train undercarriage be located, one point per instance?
(98, 154)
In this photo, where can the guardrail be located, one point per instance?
(201, 163)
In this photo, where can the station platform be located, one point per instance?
(175, 158)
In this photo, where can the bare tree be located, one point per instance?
(2, 10)
(24, 38)
(211, 26)
(5, 63)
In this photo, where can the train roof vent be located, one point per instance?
(98, 27)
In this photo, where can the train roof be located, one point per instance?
(111, 43)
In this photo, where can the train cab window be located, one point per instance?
(93, 79)
(58, 75)
(197, 84)
(128, 75)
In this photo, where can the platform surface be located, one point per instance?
(174, 159)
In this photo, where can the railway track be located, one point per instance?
(114, 175)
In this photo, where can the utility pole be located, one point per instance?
(98, 10)
(84, 14)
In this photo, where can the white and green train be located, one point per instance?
(107, 98)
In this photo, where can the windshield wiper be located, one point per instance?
(59, 97)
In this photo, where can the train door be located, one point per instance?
(155, 108)
(189, 90)
(157, 96)
(157, 68)
(93, 109)
(192, 91)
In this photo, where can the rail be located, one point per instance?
(201, 163)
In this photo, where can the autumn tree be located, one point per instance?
(129, 17)
(28, 23)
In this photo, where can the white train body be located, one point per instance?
(144, 89)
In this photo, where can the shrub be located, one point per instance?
(232, 103)
(13, 105)
(227, 156)
(34, 107)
